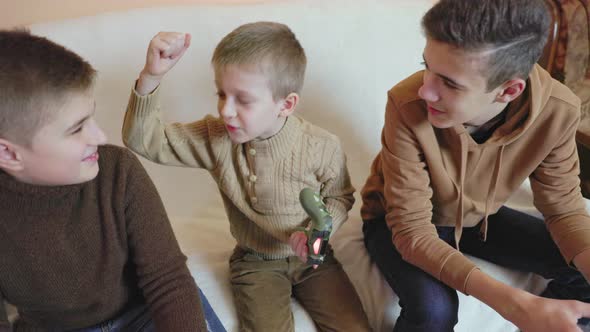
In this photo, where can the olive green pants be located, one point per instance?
(262, 292)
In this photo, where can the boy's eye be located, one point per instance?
(450, 85)
(77, 130)
(220, 95)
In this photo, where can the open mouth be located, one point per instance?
(231, 128)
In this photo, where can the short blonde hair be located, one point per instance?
(270, 45)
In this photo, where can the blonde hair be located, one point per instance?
(270, 45)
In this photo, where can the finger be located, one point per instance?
(301, 247)
(174, 51)
(159, 46)
(187, 40)
(175, 42)
(293, 241)
(584, 309)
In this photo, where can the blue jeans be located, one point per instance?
(515, 240)
(139, 319)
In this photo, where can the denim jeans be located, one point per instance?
(139, 319)
(515, 240)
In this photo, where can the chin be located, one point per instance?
(89, 174)
(440, 124)
(238, 139)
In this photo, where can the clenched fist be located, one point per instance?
(164, 51)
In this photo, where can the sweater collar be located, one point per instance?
(280, 144)
(9, 184)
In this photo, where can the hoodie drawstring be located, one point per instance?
(483, 230)
(462, 170)
(491, 190)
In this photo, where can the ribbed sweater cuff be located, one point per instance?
(142, 106)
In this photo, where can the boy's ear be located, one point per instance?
(10, 159)
(510, 90)
(289, 104)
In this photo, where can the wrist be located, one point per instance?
(516, 305)
(508, 301)
(147, 83)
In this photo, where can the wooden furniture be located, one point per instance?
(566, 57)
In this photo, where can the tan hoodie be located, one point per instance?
(425, 176)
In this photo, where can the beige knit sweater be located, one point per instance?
(260, 180)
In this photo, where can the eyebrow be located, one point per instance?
(79, 122)
(446, 78)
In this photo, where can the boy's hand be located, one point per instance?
(164, 51)
(298, 242)
(543, 314)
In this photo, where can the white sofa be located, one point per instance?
(356, 51)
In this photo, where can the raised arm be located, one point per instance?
(176, 144)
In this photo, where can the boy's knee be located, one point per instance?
(434, 314)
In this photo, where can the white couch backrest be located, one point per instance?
(356, 51)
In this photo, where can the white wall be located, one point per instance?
(356, 52)
(25, 12)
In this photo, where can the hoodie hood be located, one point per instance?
(521, 114)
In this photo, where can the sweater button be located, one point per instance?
(253, 178)
(252, 152)
(254, 200)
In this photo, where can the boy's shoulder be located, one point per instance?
(406, 91)
(553, 95)
(314, 132)
(110, 152)
(116, 160)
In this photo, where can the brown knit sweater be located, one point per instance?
(259, 180)
(75, 256)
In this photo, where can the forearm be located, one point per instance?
(175, 302)
(147, 83)
(504, 299)
(582, 262)
(172, 144)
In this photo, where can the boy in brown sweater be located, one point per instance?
(261, 158)
(85, 243)
(459, 138)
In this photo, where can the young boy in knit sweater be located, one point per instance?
(261, 158)
(460, 137)
(85, 243)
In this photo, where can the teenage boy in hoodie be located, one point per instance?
(459, 138)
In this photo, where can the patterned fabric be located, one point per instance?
(571, 62)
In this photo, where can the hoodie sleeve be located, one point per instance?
(177, 144)
(408, 194)
(556, 189)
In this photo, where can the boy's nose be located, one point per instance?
(428, 90)
(227, 110)
(97, 135)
